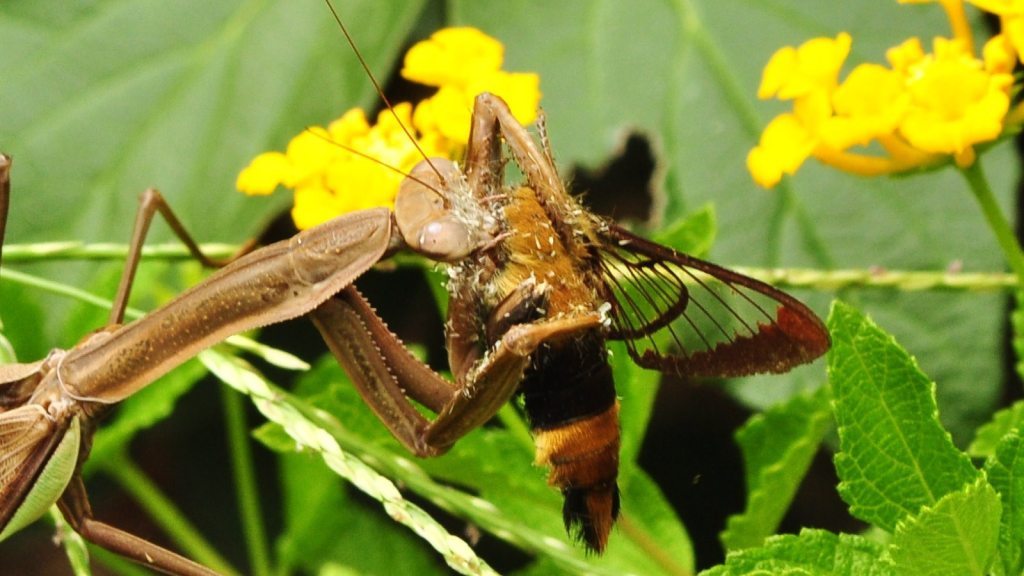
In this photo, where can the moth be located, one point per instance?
(537, 287)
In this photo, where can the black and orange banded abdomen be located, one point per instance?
(574, 414)
(584, 461)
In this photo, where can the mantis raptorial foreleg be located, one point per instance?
(386, 375)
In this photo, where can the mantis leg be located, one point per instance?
(150, 202)
(492, 120)
(387, 375)
(74, 505)
(382, 369)
(496, 378)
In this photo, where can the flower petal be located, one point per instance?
(263, 174)
(784, 146)
(453, 56)
(813, 66)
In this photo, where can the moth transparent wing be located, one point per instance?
(683, 315)
(28, 438)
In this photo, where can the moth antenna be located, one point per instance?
(375, 160)
(380, 91)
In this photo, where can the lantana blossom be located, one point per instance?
(352, 165)
(921, 109)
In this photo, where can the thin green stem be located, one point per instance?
(165, 514)
(975, 176)
(904, 280)
(245, 482)
(74, 545)
(107, 251)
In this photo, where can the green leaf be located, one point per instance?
(648, 511)
(498, 469)
(895, 458)
(184, 107)
(7, 355)
(1005, 471)
(313, 430)
(637, 389)
(1017, 325)
(274, 437)
(988, 437)
(141, 411)
(778, 447)
(324, 524)
(23, 318)
(694, 234)
(956, 537)
(812, 553)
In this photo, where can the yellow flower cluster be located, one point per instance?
(921, 109)
(352, 165)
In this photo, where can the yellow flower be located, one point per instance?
(463, 63)
(999, 54)
(314, 205)
(955, 103)
(904, 57)
(1011, 18)
(263, 174)
(784, 146)
(925, 108)
(794, 72)
(352, 165)
(870, 103)
(449, 112)
(788, 140)
(1001, 7)
(453, 57)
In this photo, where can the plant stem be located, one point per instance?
(165, 514)
(245, 482)
(996, 220)
(73, 250)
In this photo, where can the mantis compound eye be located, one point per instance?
(425, 216)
